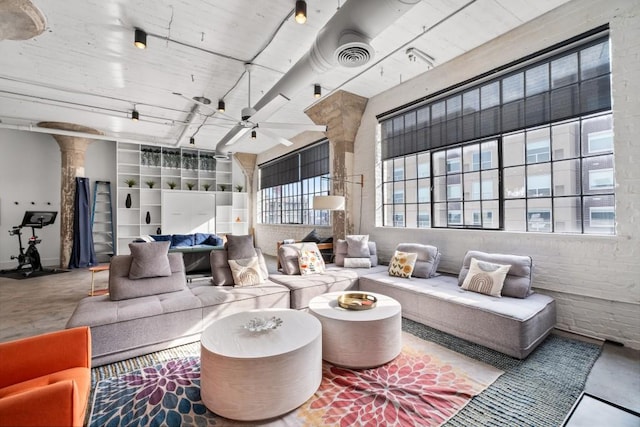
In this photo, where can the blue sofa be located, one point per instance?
(195, 248)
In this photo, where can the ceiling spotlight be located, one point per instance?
(253, 134)
(192, 141)
(140, 40)
(135, 116)
(317, 91)
(301, 11)
(221, 106)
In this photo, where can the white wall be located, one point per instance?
(595, 279)
(30, 172)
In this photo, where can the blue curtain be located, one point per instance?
(83, 253)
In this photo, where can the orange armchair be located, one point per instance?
(45, 380)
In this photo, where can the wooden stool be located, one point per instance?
(93, 270)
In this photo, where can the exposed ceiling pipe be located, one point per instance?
(31, 128)
(344, 40)
(190, 118)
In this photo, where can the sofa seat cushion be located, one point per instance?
(81, 377)
(304, 288)
(101, 311)
(215, 295)
(512, 326)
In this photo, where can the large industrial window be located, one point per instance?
(288, 185)
(530, 149)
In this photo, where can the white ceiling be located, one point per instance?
(85, 70)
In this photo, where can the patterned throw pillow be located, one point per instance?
(310, 262)
(485, 277)
(246, 271)
(402, 263)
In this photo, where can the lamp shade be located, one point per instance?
(332, 203)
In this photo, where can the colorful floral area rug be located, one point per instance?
(424, 386)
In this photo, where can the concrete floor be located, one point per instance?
(43, 304)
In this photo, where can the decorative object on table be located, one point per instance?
(190, 185)
(206, 187)
(171, 184)
(127, 201)
(357, 301)
(222, 187)
(130, 182)
(238, 219)
(260, 324)
(239, 188)
(158, 230)
(147, 218)
(150, 183)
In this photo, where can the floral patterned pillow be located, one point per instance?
(402, 263)
(310, 262)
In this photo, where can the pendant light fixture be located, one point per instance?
(301, 11)
(221, 106)
(317, 91)
(140, 39)
(192, 141)
(253, 134)
(135, 116)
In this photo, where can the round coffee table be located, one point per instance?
(252, 376)
(358, 338)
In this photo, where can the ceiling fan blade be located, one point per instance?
(269, 109)
(293, 126)
(275, 137)
(234, 135)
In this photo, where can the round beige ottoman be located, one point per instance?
(252, 376)
(358, 338)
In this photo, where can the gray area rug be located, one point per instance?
(537, 391)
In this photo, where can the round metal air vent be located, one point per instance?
(353, 50)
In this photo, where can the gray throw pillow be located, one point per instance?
(358, 246)
(240, 247)
(517, 284)
(149, 259)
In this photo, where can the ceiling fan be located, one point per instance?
(252, 120)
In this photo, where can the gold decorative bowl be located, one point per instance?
(357, 301)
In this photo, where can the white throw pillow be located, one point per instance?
(485, 277)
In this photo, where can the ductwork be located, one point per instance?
(343, 41)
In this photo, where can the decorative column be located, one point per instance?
(341, 112)
(247, 163)
(73, 150)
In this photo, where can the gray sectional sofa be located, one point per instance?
(514, 323)
(150, 314)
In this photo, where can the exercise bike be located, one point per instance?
(29, 259)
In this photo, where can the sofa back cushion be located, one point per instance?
(427, 261)
(288, 255)
(221, 274)
(517, 284)
(121, 287)
(341, 251)
(182, 240)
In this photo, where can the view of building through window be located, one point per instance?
(528, 151)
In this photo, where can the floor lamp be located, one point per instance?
(338, 203)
